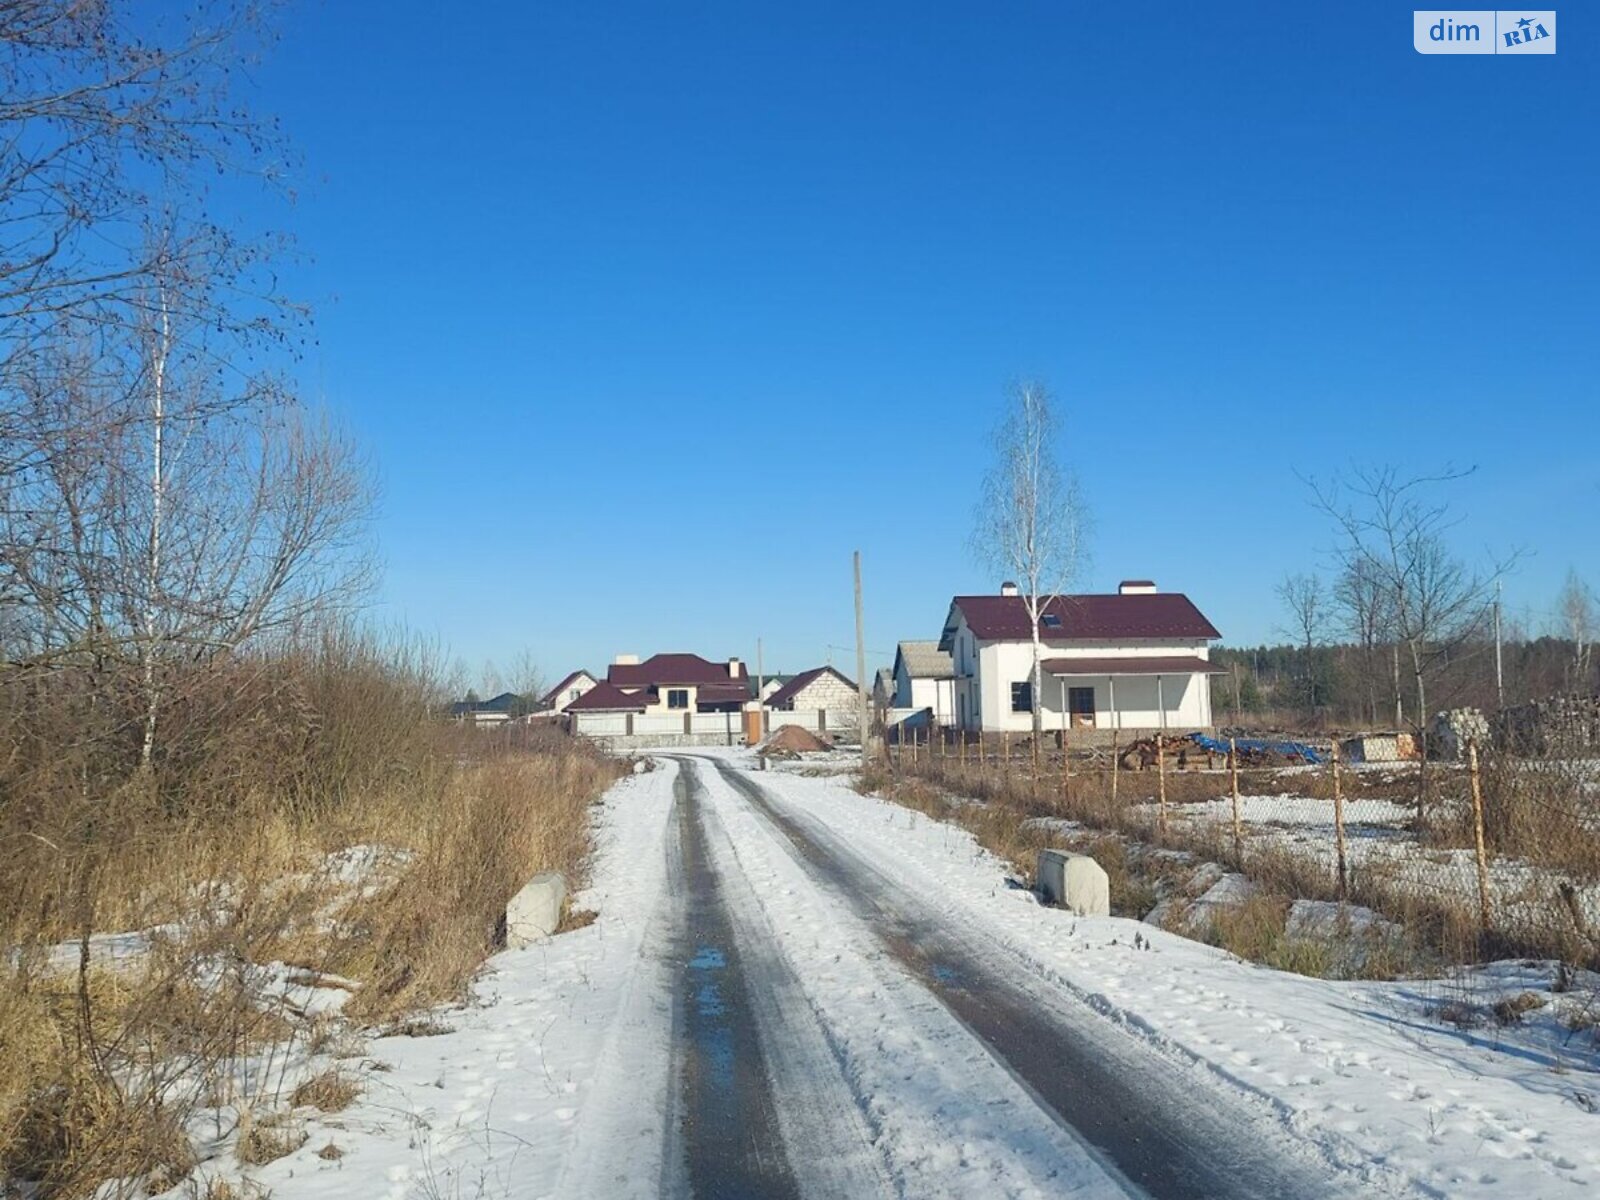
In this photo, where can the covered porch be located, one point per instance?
(1130, 692)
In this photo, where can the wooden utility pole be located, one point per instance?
(861, 661)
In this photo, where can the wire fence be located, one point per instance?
(1497, 854)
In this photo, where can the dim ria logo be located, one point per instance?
(1484, 31)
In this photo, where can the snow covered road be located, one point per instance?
(796, 990)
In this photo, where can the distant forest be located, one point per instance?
(1347, 685)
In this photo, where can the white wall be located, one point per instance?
(1187, 698)
(826, 691)
(937, 694)
(571, 692)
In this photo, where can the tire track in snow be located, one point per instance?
(1134, 1106)
(727, 1142)
(948, 1121)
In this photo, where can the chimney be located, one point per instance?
(1008, 588)
(733, 668)
(1136, 587)
(626, 660)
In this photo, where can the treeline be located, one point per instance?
(1345, 685)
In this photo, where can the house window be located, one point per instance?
(1050, 621)
(677, 697)
(1022, 697)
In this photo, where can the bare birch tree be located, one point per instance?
(1361, 600)
(1395, 529)
(1577, 611)
(1307, 606)
(1031, 521)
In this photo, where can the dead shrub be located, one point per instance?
(331, 1091)
(1511, 1009)
(267, 761)
(261, 1142)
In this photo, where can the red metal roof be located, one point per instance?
(603, 697)
(727, 692)
(1179, 664)
(1086, 618)
(795, 686)
(660, 670)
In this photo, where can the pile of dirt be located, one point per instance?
(792, 739)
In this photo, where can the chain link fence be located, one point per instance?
(1496, 854)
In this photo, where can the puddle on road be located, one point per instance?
(707, 958)
(733, 1146)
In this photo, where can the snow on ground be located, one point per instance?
(948, 1119)
(1464, 1110)
(549, 1083)
(555, 1080)
(1379, 843)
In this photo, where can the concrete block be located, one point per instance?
(535, 911)
(1075, 881)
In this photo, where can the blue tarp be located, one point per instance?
(1259, 745)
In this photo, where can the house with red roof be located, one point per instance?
(1135, 659)
(667, 684)
(558, 698)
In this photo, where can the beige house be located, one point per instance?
(564, 693)
(668, 683)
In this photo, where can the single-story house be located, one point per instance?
(768, 685)
(485, 714)
(820, 687)
(668, 683)
(1135, 659)
(925, 677)
(605, 697)
(565, 692)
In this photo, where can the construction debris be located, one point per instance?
(790, 741)
(1379, 748)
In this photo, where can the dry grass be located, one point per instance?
(331, 1091)
(1013, 815)
(269, 766)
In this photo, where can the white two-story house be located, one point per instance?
(1138, 659)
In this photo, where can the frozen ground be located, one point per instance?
(563, 1078)
(1380, 843)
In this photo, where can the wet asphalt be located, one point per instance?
(1131, 1106)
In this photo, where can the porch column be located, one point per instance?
(1161, 703)
(1116, 717)
(1066, 717)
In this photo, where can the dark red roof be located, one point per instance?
(1180, 664)
(1087, 618)
(726, 692)
(603, 697)
(659, 670)
(799, 683)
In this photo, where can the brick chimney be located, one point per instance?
(1008, 588)
(1136, 587)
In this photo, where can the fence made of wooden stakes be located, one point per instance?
(1497, 849)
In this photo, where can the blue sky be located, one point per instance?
(650, 314)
